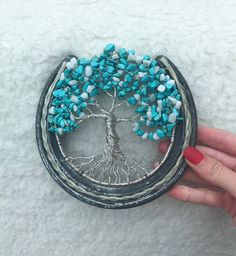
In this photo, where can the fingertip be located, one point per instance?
(176, 192)
(163, 146)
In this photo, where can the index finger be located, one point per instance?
(218, 139)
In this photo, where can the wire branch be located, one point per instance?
(113, 101)
(127, 119)
(107, 93)
(99, 107)
(80, 120)
(90, 111)
(120, 104)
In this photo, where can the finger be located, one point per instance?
(225, 159)
(190, 176)
(217, 139)
(211, 170)
(163, 146)
(197, 195)
(230, 204)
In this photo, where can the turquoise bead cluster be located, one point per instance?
(137, 79)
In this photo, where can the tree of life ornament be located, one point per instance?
(125, 78)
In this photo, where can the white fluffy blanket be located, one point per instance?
(39, 218)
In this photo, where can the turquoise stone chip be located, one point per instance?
(144, 91)
(139, 132)
(71, 106)
(109, 48)
(124, 61)
(52, 129)
(141, 109)
(146, 57)
(105, 75)
(160, 95)
(79, 69)
(106, 87)
(153, 109)
(151, 124)
(122, 53)
(169, 86)
(145, 79)
(163, 103)
(145, 100)
(164, 117)
(153, 63)
(150, 136)
(157, 117)
(142, 67)
(94, 93)
(86, 86)
(116, 75)
(62, 123)
(135, 86)
(58, 110)
(160, 133)
(77, 92)
(110, 69)
(178, 97)
(142, 123)
(75, 75)
(174, 93)
(152, 71)
(83, 105)
(121, 66)
(95, 62)
(131, 51)
(60, 84)
(103, 56)
(162, 71)
(170, 127)
(67, 72)
(50, 119)
(167, 133)
(131, 100)
(59, 93)
(102, 63)
(128, 78)
(84, 61)
(67, 129)
(122, 94)
(131, 67)
(175, 111)
(153, 84)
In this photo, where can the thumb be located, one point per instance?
(211, 170)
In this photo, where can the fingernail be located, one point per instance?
(193, 155)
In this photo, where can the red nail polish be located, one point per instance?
(193, 155)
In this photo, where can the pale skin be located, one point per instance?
(214, 178)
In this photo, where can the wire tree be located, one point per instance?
(125, 78)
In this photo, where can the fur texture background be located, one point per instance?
(39, 218)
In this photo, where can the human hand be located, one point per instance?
(212, 170)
